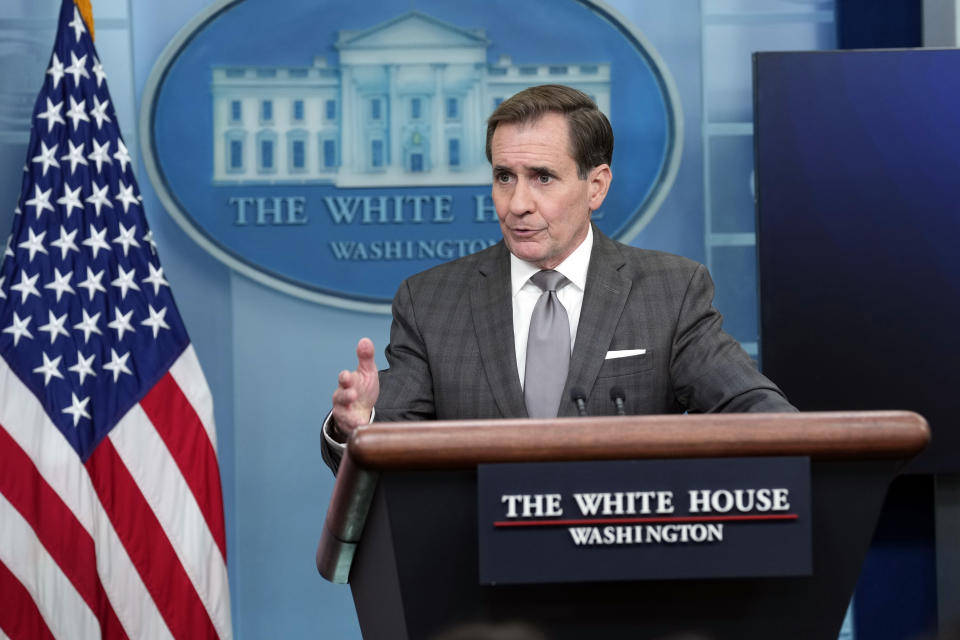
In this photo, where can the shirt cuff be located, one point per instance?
(339, 447)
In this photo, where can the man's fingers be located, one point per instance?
(346, 378)
(344, 396)
(365, 356)
(357, 390)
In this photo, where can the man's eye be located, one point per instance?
(544, 178)
(503, 178)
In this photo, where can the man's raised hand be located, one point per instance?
(357, 391)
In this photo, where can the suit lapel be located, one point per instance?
(492, 311)
(604, 297)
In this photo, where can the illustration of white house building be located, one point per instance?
(406, 105)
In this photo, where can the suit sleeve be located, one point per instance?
(710, 370)
(406, 385)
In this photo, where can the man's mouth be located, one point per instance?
(524, 232)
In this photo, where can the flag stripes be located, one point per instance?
(24, 419)
(58, 602)
(56, 528)
(155, 473)
(148, 546)
(19, 614)
(32, 456)
(186, 372)
(57, 462)
(183, 433)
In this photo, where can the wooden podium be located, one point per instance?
(401, 527)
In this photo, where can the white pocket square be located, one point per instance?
(624, 353)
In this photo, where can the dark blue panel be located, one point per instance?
(858, 157)
(879, 24)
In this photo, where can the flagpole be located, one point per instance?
(86, 12)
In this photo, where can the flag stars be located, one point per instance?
(46, 157)
(99, 197)
(92, 283)
(60, 283)
(125, 196)
(26, 286)
(49, 369)
(75, 156)
(40, 200)
(121, 323)
(77, 68)
(54, 326)
(77, 25)
(77, 111)
(100, 154)
(98, 72)
(124, 281)
(97, 240)
(77, 409)
(155, 278)
(118, 364)
(148, 238)
(56, 72)
(99, 111)
(91, 166)
(18, 329)
(70, 199)
(52, 114)
(65, 243)
(156, 320)
(89, 325)
(84, 367)
(126, 239)
(34, 244)
(122, 155)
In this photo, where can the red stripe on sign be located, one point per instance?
(57, 529)
(177, 422)
(148, 546)
(19, 615)
(652, 520)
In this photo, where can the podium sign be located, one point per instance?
(644, 520)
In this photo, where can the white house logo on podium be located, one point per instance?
(331, 154)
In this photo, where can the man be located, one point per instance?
(484, 337)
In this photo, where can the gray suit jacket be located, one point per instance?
(451, 354)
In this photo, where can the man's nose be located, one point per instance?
(521, 200)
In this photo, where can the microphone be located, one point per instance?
(579, 398)
(617, 395)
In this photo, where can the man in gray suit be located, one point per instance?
(637, 322)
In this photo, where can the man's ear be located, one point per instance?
(599, 179)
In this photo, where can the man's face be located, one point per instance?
(543, 205)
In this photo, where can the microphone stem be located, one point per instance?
(620, 409)
(581, 407)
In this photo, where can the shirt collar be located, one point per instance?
(574, 268)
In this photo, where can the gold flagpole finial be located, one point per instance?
(86, 10)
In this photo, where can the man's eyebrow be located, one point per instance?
(539, 170)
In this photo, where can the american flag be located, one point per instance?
(111, 515)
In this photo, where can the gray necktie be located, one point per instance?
(548, 348)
